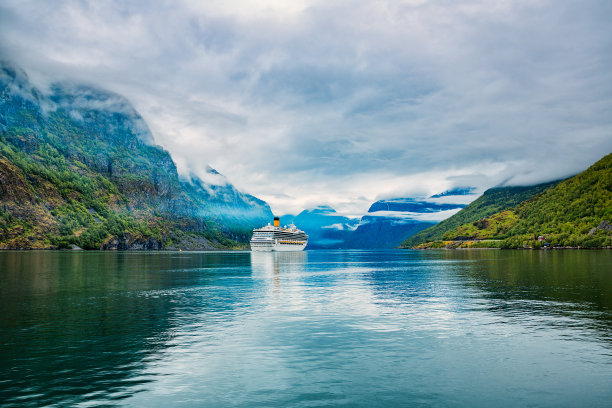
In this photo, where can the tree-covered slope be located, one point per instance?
(575, 213)
(78, 167)
(493, 200)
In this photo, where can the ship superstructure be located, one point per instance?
(277, 238)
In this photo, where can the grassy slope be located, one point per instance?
(492, 201)
(566, 215)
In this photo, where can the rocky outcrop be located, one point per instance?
(603, 226)
(125, 243)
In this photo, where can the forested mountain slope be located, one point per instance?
(78, 167)
(574, 213)
(492, 201)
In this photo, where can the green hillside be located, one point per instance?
(493, 200)
(575, 213)
(78, 166)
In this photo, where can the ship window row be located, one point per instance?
(285, 234)
(280, 242)
(280, 236)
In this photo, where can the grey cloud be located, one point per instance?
(319, 102)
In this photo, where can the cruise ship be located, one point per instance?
(277, 238)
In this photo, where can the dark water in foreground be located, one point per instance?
(321, 328)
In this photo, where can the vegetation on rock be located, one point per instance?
(78, 168)
(493, 200)
(574, 213)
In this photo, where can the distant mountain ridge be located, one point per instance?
(412, 205)
(386, 224)
(78, 167)
(326, 229)
(455, 192)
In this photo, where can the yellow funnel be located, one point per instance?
(276, 221)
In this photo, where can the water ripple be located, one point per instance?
(341, 328)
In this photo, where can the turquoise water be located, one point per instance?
(315, 328)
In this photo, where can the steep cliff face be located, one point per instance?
(237, 211)
(111, 138)
(78, 167)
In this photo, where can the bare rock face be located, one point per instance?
(129, 243)
(605, 225)
(13, 185)
(182, 241)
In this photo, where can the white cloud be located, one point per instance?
(406, 216)
(338, 226)
(341, 103)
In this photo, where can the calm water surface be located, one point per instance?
(320, 328)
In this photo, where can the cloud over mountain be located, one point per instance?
(311, 102)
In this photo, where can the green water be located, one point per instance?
(315, 328)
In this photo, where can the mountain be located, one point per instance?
(223, 203)
(386, 224)
(325, 228)
(456, 192)
(389, 222)
(384, 232)
(492, 201)
(413, 205)
(287, 219)
(78, 167)
(575, 212)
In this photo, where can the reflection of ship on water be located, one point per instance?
(277, 238)
(266, 264)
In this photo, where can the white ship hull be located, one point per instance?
(269, 247)
(273, 238)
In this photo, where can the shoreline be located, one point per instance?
(510, 249)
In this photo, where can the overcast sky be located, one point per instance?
(303, 103)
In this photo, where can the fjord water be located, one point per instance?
(314, 328)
